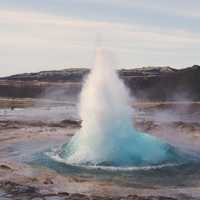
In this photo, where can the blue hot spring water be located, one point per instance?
(107, 136)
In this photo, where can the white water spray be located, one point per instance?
(107, 136)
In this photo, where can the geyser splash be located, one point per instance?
(107, 136)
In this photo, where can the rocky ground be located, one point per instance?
(18, 137)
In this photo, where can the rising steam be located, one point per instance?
(107, 136)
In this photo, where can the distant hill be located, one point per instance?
(72, 74)
(149, 83)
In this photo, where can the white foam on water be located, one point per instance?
(57, 158)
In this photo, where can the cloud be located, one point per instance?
(183, 8)
(40, 23)
(32, 41)
(17, 16)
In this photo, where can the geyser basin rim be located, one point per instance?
(55, 157)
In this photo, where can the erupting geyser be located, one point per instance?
(107, 136)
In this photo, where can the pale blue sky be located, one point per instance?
(54, 34)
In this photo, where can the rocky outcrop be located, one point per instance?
(149, 83)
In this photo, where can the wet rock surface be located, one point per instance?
(15, 191)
